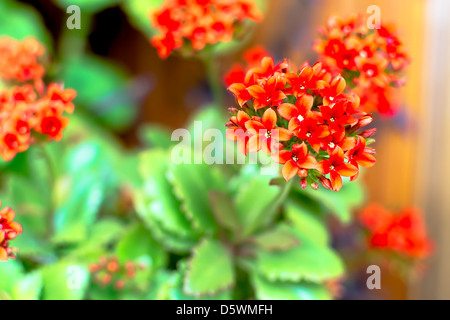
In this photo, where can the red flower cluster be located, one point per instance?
(109, 271)
(201, 22)
(29, 112)
(403, 233)
(252, 58)
(26, 115)
(304, 120)
(19, 60)
(9, 230)
(370, 60)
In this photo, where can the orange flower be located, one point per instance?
(295, 161)
(9, 230)
(337, 167)
(265, 133)
(237, 131)
(199, 22)
(270, 93)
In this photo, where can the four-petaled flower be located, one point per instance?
(337, 167)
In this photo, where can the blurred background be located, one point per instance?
(413, 147)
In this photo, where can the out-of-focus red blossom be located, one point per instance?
(109, 271)
(403, 233)
(9, 230)
(304, 120)
(370, 60)
(252, 58)
(199, 22)
(24, 113)
(19, 60)
(29, 111)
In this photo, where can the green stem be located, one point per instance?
(214, 79)
(52, 180)
(73, 42)
(270, 212)
(284, 193)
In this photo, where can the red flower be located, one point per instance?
(237, 131)
(265, 133)
(300, 83)
(332, 91)
(337, 167)
(297, 112)
(9, 230)
(309, 129)
(269, 94)
(360, 155)
(295, 161)
(336, 116)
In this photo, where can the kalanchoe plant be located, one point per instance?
(370, 60)
(228, 237)
(304, 120)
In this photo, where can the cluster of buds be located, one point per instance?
(304, 121)
(9, 230)
(199, 22)
(403, 233)
(109, 271)
(370, 60)
(30, 112)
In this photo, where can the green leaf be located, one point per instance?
(90, 6)
(171, 241)
(18, 20)
(277, 290)
(102, 234)
(12, 272)
(161, 204)
(155, 136)
(137, 243)
(75, 217)
(340, 203)
(192, 184)
(224, 211)
(309, 261)
(64, 281)
(254, 197)
(280, 238)
(102, 89)
(28, 288)
(210, 270)
(308, 223)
